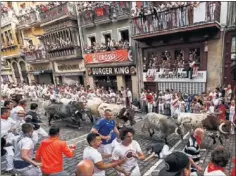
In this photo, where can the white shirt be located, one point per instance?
(7, 125)
(15, 111)
(25, 143)
(216, 102)
(167, 98)
(214, 173)
(126, 151)
(93, 155)
(129, 94)
(143, 96)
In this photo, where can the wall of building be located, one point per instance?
(223, 13)
(214, 63)
(113, 27)
(32, 34)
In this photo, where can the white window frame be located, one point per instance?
(122, 29)
(104, 33)
(88, 38)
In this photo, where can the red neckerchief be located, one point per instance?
(199, 140)
(4, 117)
(212, 167)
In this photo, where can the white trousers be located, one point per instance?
(165, 151)
(135, 172)
(29, 171)
(150, 106)
(42, 132)
(9, 158)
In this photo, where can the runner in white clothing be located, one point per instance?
(91, 153)
(130, 149)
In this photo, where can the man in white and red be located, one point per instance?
(143, 99)
(174, 104)
(150, 100)
(228, 93)
(123, 91)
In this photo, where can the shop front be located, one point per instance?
(69, 72)
(41, 73)
(113, 77)
(113, 69)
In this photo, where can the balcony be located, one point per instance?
(180, 19)
(58, 12)
(28, 19)
(87, 18)
(65, 53)
(122, 10)
(116, 11)
(35, 56)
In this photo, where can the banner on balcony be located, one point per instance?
(107, 57)
(153, 76)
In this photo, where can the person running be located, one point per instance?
(24, 146)
(129, 149)
(107, 130)
(50, 153)
(91, 153)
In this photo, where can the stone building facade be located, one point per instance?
(108, 51)
(166, 42)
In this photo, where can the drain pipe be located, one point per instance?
(223, 56)
(81, 40)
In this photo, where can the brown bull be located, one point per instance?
(214, 124)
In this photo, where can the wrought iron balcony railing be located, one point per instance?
(28, 19)
(105, 13)
(176, 18)
(65, 53)
(35, 55)
(62, 10)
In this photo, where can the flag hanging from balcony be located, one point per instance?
(99, 11)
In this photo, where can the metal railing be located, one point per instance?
(35, 55)
(116, 10)
(57, 12)
(28, 19)
(176, 18)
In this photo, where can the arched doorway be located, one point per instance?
(16, 72)
(24, 72)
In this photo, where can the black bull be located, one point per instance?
(72, 110)
(126, 114)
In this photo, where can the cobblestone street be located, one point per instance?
(78, 136)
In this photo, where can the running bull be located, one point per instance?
(61, 111)
(210, 122)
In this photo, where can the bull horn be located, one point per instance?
(220, 128)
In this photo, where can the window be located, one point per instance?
(92, 40)
(2, 39)
(145, 3)
(10, 35)
(30, 42)
(106, 37)
(7, 38)
(233, 49)
(124, 34)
